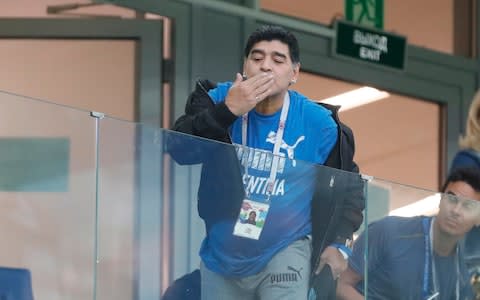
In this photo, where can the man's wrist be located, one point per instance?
(346, 252)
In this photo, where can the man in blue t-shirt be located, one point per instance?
(280, 135)
(419, 257)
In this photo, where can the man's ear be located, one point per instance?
(296, 72)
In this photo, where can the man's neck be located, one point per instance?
(271, 104)
(443, 244)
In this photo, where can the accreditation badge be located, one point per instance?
(251, 219)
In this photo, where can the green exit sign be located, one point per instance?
(370, 45)
(365, 12)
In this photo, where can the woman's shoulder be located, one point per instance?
(466, 158)
(468, 152)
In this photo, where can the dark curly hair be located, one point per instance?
(270, 33)
(471, 176)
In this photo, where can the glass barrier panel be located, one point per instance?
(160, 192)
(250, 213)
(47, 195)
(149, 231)
(417, 245)
(131, 201)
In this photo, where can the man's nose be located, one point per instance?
(457, 208)
(266, 65)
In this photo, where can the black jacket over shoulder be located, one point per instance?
(338, 199)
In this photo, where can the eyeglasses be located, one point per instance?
(467, 205)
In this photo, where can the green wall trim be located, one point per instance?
(32, 164)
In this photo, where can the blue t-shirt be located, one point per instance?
(309, 136)
(396, 262)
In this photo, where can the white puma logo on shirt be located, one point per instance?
(272, 136)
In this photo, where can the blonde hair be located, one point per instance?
(471, 139)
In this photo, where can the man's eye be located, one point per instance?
(452, 198)
(470, 205)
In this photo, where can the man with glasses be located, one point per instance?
(419, 257)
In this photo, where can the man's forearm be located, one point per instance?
(348, 292)
(346, 285)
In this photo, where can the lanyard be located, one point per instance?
(429, 258)
(276, 146)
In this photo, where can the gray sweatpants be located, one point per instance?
(285, 277)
